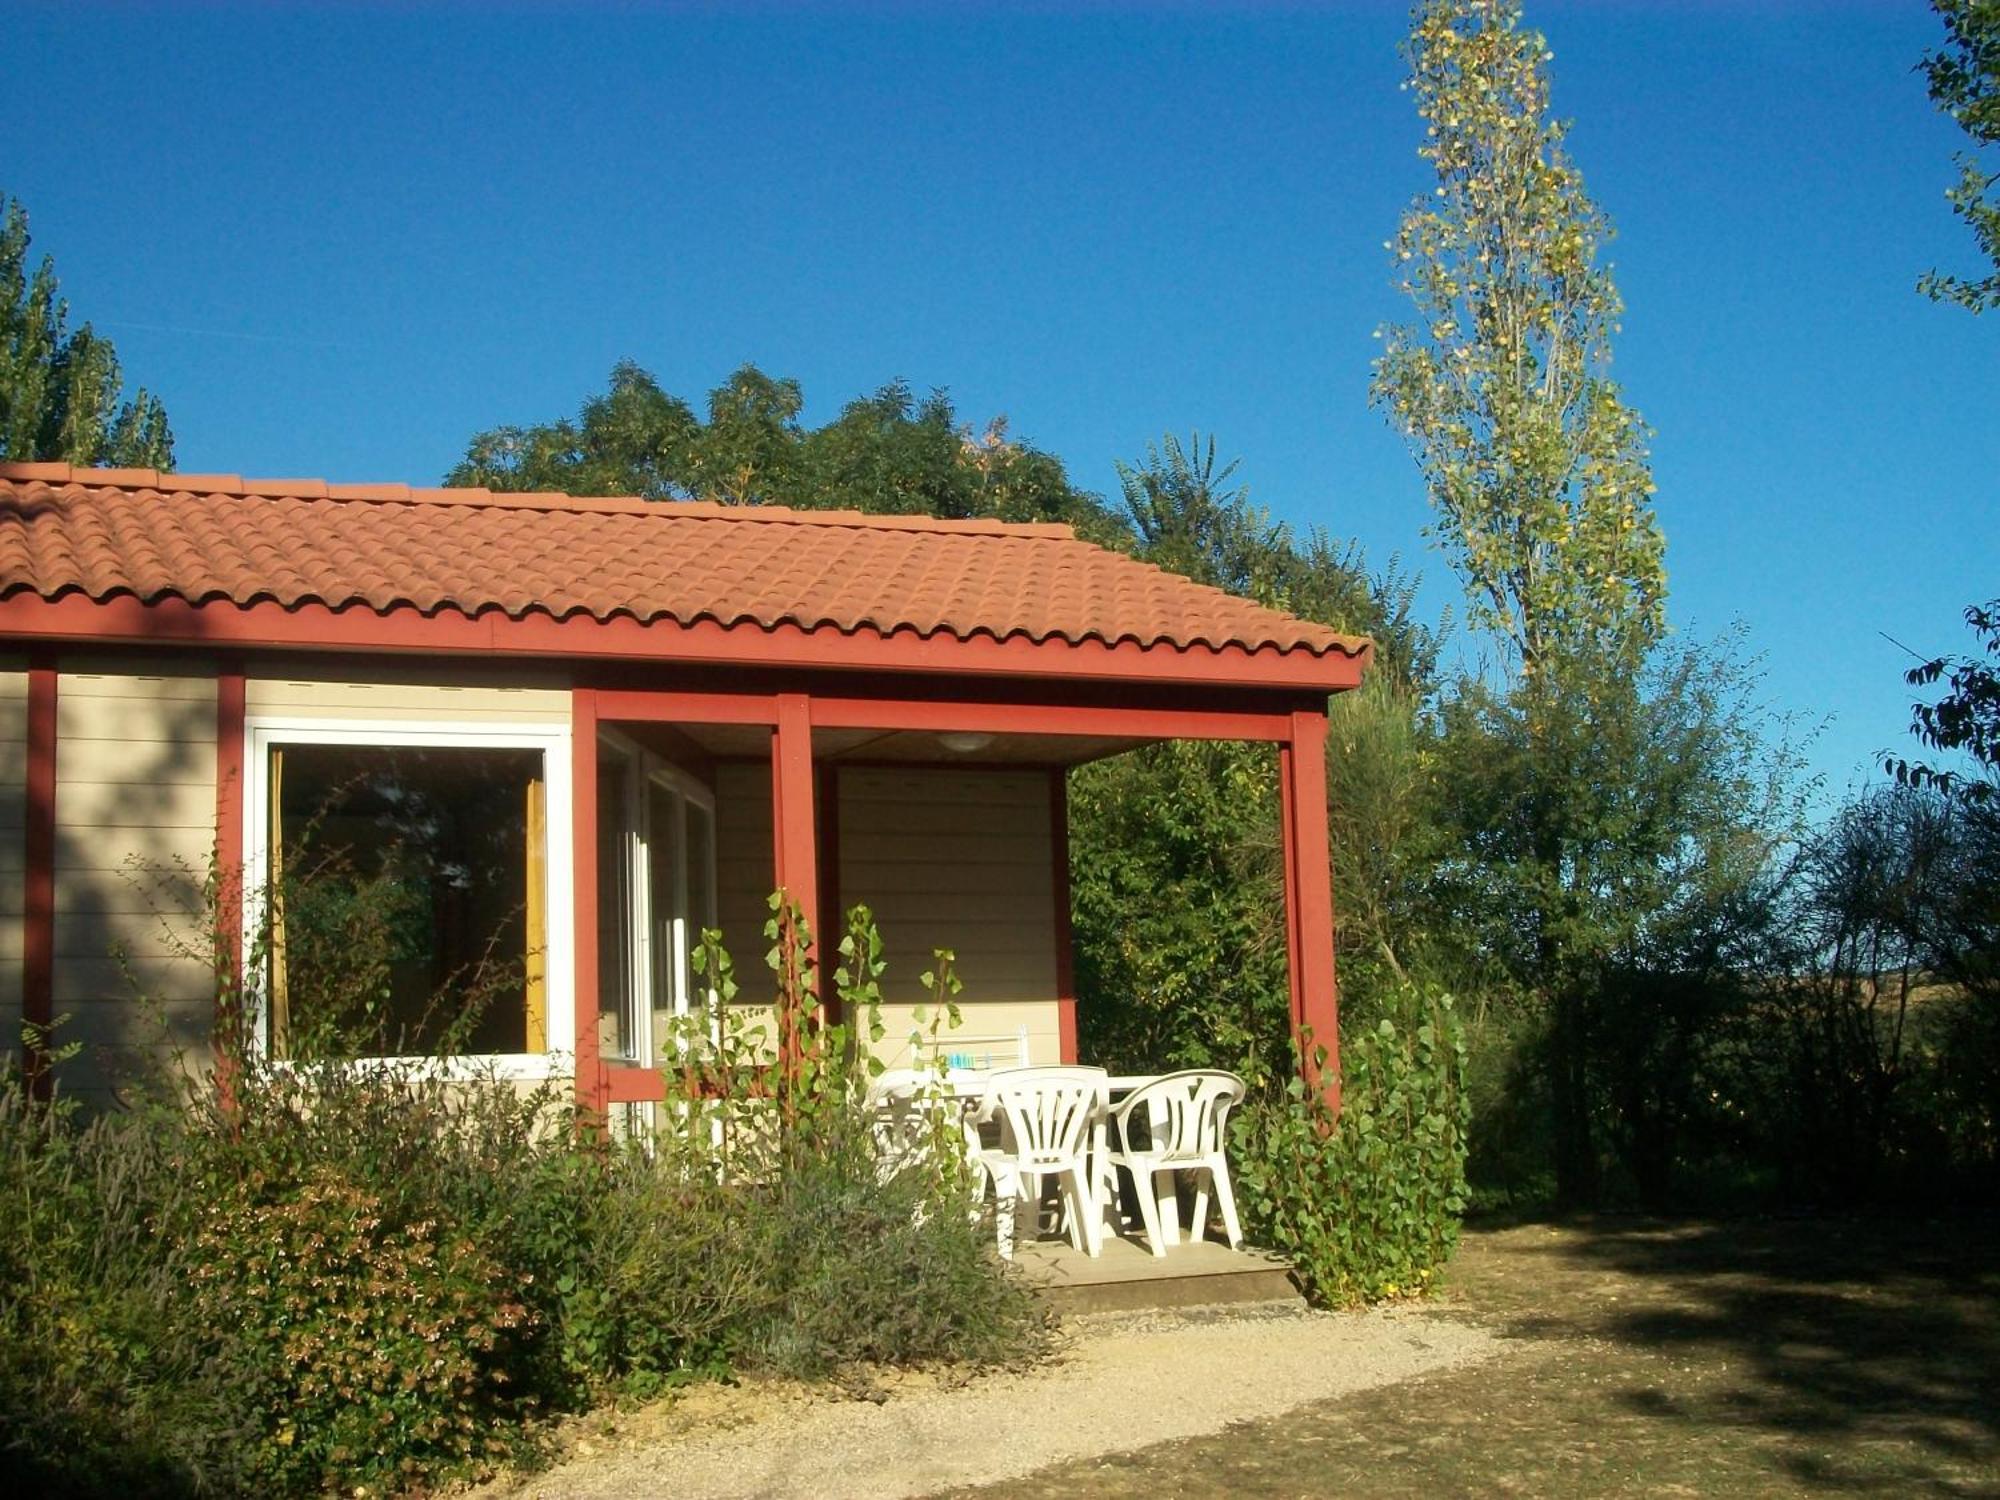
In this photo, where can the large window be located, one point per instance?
(410, 892)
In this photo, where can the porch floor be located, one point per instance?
(1128, 1275)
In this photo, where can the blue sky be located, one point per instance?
(339, 242)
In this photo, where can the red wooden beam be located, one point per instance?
(1309, 904)
(638, 706)
(315, 626)
(591, 1089)
(924, 716)
(731, 683)
(1047, 718)
(38, 906)
(634, 1086)
(1065, 948)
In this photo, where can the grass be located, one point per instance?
(1767, 1358)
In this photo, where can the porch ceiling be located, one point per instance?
(752, 741)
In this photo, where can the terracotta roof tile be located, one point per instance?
(215, 537)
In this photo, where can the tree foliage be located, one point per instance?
(1964, 79)
(1536, 467)
(1179, 905)
(1966, 719)
(889, 453)
(1613, 802)
(61, 389)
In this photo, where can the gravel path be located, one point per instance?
(1124, 1381)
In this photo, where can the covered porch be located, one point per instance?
(942, 806)
(945, 812)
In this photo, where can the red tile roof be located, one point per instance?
(110, 533)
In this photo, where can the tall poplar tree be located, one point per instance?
(1598, 788)
(1536, 467)
(61, 390)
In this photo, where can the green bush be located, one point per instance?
(878, 1270)
(362, 1351)
(321, 1272)
(1366, 1206)
(95, 1388)
(674, 1266)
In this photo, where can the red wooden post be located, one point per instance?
(233, 1029)
(1065, 948)
(1289, 855)
(795, 853)
(38, 906)
(591, 1083)
(1309, 900)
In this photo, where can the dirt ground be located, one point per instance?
(1120, 1381)
(1780, 1358)
(1786, 1358)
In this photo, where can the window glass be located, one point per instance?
(411, 910)
(617, 841)
(700, 884)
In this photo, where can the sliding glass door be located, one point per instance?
(656, 892)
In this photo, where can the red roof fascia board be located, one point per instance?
(129, 621)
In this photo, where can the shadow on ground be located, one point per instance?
(1778, 1357)
(1836, 1332)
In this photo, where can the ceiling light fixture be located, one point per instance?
(963, 742)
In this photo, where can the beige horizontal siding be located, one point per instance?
(125, 1046)
(743, 869)
(990, 1031)
(134, 852)
(135, 832)
(116, 804)
(13, 851)
(110, 979)
(158, 931)
(960, 860)
(520, 696)
(945, 858)
(13, 724)
(172, 889)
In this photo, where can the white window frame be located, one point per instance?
(262, 733)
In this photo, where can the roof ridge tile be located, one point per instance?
(236, 486)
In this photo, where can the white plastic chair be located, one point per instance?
(1050, 1120)
(896, 1118)
(1176, 1123)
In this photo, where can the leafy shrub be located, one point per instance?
(672, 1269)
(92, 1377)
(325, 1272)
(883, 1269)
(1365, 1206)
(363, 1351)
